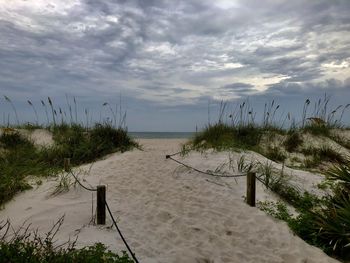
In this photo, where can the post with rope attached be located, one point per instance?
(101, 205)
(66, 164)
(251, 179)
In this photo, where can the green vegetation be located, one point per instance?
(19, 157)
(241, 130)
(222, 136)
(316, 156)
(317, 126)
(33, 252)
(323, 222)
(32, 248)
(341, 141)
(274, 153)
(83, 146)
(293, 141)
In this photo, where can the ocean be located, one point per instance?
(162, 135)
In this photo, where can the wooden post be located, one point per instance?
(251, 189)
(66, 164)
(101, 205)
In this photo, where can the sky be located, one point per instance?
(168, 62)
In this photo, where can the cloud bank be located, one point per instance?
(168, 58)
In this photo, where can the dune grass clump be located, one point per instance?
(333, 220)
(275, 154)
(223, 136)
(318, 129)
(83, 146)
(20, 158)
(324, 154)
(23, 245)
(341, 141)
(330, 155)
(323, 222)
(106, 139)
(217, 136)
(12, 139)
(293, 141)
(242, 129)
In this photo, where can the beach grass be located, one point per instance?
(82, 143)
(20, 158)
(321, 221)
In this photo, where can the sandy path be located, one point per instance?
(166, 215)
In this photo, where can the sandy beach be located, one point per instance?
(166, 212)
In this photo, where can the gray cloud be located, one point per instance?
(174, 53)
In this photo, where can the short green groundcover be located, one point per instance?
(23, 250)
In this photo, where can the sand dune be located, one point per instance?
(167, 213)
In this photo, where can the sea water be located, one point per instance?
(162, 135)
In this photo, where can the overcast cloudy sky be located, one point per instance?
(168, 58)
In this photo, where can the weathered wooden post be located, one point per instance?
(251, 189)
(101, 205)
(66, 164)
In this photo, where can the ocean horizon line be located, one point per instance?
(160, 134)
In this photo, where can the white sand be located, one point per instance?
(167, 213)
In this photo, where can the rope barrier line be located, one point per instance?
(169, 156)
(86, 188)
(261, 181)
(111, 215)
(174, 154)
(120, 233)
(203, 172)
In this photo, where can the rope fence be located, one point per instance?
(102, 202)
(251, 177)
(101, 205)
(170, 156)
(204, 172)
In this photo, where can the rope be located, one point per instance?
(77, 180)
(120, 233)
(174, 154)
(169, 156)
(203, 172)
(261, 180)
(111, 215)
